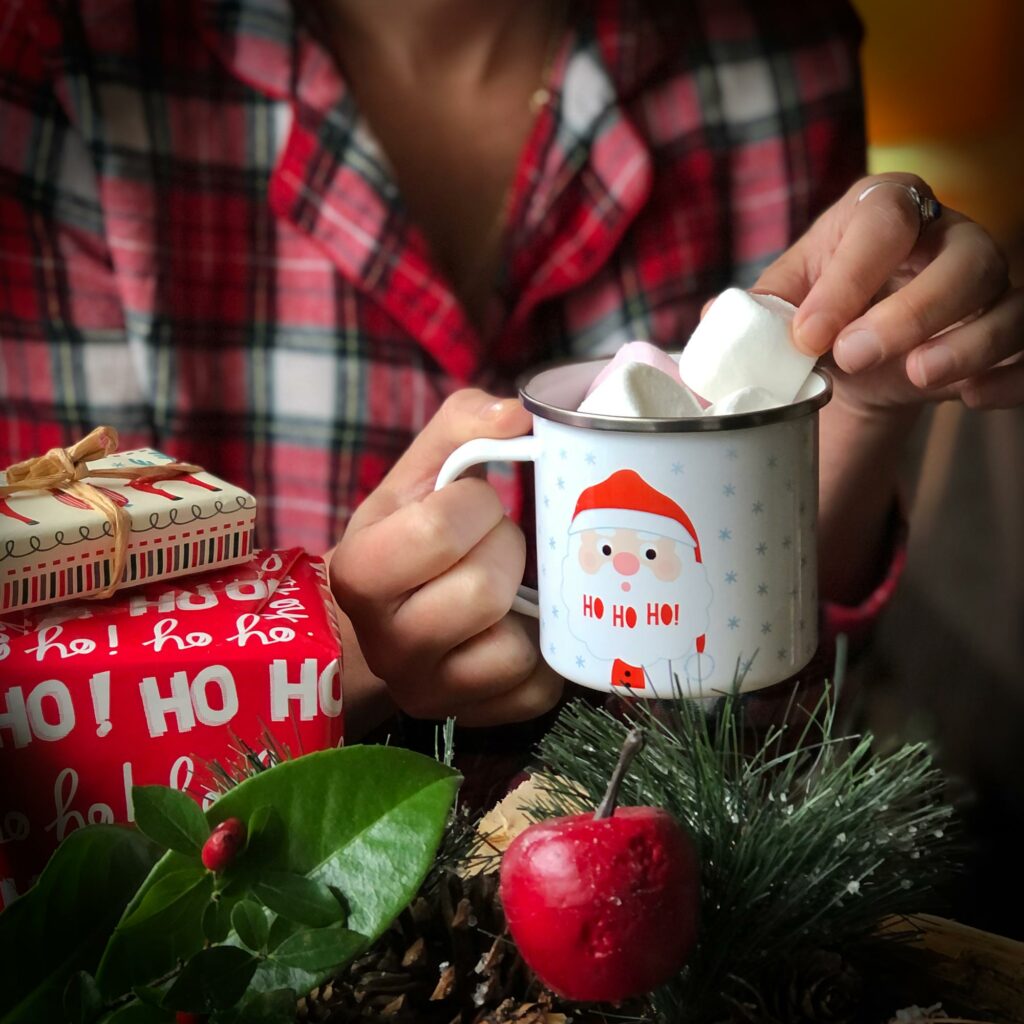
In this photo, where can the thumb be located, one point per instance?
(464, 416)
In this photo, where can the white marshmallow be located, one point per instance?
(637, 389)
(809, 388)
(745, 340)
(743, 400)
(637, 352)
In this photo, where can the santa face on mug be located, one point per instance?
(633, 581)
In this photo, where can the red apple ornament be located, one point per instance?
(603, 905)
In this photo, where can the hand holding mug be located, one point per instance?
(428, 579)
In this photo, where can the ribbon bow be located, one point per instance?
(68, 469)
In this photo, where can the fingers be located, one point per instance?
(464, 416)
(1001, 388)
(968, 274)
(496, 673)
(469, 597)
(877, 234)
(973, 350)
(540, 693)
(387, 558)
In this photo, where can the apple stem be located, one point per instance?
(606, 808)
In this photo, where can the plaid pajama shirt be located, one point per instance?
(202, 244)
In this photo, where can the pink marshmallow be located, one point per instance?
(639, 352)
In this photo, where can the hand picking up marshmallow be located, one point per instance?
(741, 358)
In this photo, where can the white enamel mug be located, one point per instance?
(674, 555)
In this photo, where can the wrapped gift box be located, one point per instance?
(151, 686)
(54, 546)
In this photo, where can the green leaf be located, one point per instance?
(276, 1007)
(299, 899)
(313, 948)
(217, 918)
(170, 818)
(82, 999)
(61, 924)
(213, 979)
(364, 821)
(138, 1013)
(168, 891)
(251, 925)
(280, 929)
(147, 946)
(264, 830)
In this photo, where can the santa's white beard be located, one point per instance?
(645, 642)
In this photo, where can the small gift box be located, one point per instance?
(151, 687)
(84, 521)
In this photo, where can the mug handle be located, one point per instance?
(487, 449)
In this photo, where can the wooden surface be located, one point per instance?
(973, 973)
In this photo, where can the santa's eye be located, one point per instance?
(650, 554)
(606, 549)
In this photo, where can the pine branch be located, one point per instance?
(806, 841)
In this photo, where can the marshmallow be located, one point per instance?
(743, 400)
(745, 340)
(638, 389)
(637, 352)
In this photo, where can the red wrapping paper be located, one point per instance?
(150, 686)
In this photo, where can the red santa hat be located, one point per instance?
(626, 501)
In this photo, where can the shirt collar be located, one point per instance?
(333, 183)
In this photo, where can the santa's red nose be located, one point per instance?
(626, 563)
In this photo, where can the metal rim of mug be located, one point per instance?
(686, 425)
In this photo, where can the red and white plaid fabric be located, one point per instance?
(202, 244)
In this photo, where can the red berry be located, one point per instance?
(184, 1017)
(603, 908)
(223, 844)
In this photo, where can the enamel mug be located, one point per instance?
(674, 555)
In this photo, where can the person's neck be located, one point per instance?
(421, 40)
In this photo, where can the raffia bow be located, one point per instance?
(68, 469)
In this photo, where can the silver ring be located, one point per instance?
(928, 208)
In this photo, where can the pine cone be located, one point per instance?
(446, 960)
(819, 987)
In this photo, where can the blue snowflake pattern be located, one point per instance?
(766, 628)
(551, 543)
(746, 666)
(551, 650)
(731, 577)
(757, 508)
(789, 486)
(677, 468)
(732, 453)
(554, 610)
(591, 458)
(563, 454)
(561, 483)
(762, 548)
(773, 461)
(729, 490)
(725, 534)
(800, 625)
(787, 543)
(803, 561)
(580, 663)
(547, 501)
(734, 623)
(781, 654)
(762, 589)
